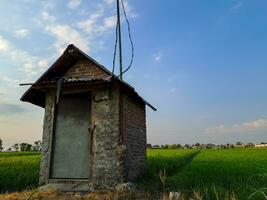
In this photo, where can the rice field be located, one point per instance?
(205, 174)
(18, 171)
(213, 174)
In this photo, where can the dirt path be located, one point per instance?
(55, 195)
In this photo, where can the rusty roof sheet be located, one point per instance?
(73, 80)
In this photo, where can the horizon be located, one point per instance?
(201, 64)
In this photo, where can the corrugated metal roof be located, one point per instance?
(66, 60)
(73, 80)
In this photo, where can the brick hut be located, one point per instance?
(94, 132)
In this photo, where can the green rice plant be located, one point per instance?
(172, 161)
(261, 192)
(228, 174)
(227, 170)
(162, 176)
(19, 171)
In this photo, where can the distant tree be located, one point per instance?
(164, 146)
(22, 146)
(239, 143)
(210, 146)
(1, 145)
(25, 147)
(250, 145)
(172, 146)
(230, 146)
(37, 146)
(15, 147)
(28, 147)
(187, 146)
(197, 145)
(9, 149)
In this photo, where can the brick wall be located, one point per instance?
(134, 130)
(85, 68)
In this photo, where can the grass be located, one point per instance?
(208, 174)
(172, 161)
(215, 174)
(18, 171)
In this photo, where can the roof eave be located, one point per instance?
(67, 54)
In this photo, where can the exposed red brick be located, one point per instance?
(85, 68)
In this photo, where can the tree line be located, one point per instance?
(36, 146)
(205, 146)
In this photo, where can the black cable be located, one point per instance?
(130, 38)
(115, 48)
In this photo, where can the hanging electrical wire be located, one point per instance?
(116, 42)
(115, 48)
(130, 38)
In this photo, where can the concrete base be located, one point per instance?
(86, 187)
(67, 187)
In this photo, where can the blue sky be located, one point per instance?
(201, 63)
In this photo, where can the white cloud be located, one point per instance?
(11, 109)
(21, 33)
(34, 65)
(47, 16)
(129, 10)
(4, 44)
(158, 56)
(73, 4)
(257, 125)
(65, 35)
(108, 23)
(100, 21)
(48, 5)
(89, 25)
(9, 81)
(83, 33)
(97, 24)
(43, 63)
(109, 1)
(27, 62)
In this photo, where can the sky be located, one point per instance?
(202, 64)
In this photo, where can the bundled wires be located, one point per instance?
(118, 39)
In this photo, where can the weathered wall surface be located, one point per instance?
(107, 167)
(47, 134)
(108, 155)
(85, 68)
(134, 126)
(111, 162)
